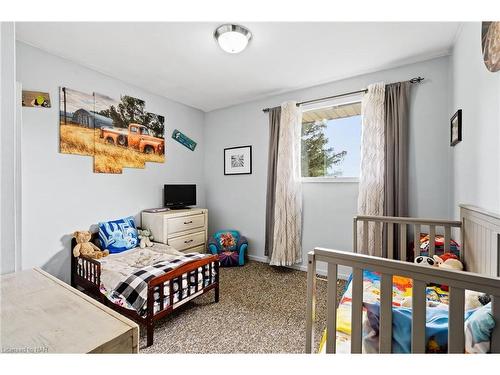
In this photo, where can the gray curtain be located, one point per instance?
(274, 131)
(396, 152)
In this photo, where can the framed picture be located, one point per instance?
(456, 128)
(238, 160)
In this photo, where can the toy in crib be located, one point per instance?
(447, 261)
(422, 260)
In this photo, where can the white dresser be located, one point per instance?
(185, 230)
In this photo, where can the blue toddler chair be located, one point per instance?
(230, 246)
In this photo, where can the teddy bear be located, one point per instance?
(85, 248)
(145, 238)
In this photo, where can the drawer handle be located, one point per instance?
(188, 241)
(188, 222)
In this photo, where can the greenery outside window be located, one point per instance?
(331, 140)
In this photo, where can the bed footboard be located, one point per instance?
(458, 282)
(158, 285)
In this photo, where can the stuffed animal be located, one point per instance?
(425, 261)
(447, 256)
(450, 262)
(473, 299)
(145, 238)
(85, 248)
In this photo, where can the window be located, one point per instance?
(331, 139)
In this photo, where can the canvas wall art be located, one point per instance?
(35, 99)
(122, 133)
(490, 43)
(76, 122)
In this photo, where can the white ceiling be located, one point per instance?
(182, 61)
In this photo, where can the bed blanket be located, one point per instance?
(134, 288)
(124, 276)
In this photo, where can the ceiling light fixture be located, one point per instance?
(232, 38)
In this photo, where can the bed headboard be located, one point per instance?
(480, 240)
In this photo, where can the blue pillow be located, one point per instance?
(118, 235)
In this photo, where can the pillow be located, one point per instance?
(118, 235)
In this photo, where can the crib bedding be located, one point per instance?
(479, 322)
(124, 276)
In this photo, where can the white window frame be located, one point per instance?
(330, 103)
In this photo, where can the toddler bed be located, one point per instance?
(146, 284)
(391, 306)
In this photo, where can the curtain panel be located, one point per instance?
(396, 154)
(274, 130)
(396, 149)
(287, 233)
(372, 175)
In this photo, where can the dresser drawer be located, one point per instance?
(181, 224)
(198, 249)
(190, 240)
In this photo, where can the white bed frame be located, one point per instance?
(480, 248)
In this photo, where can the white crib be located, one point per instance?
(479, 233)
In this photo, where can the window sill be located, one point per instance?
(352, 180)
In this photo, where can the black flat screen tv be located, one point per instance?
(179, 196)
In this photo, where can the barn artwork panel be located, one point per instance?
(117, 133)
(76, 122)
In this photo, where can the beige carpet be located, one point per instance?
(261, 310)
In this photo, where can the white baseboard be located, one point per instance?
(320, 271)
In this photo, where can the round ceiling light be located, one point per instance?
(232, 38)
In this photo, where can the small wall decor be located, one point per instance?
(238, 160)
(117, 133)
(490, 41)
(183, 139)
(456, 128)
(36, 99)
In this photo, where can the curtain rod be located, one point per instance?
(413, 80)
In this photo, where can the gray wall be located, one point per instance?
(60, 192)
(8, 139)
(476, 160)
(239, 201)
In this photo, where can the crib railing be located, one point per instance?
(458, 282)
(402, 226)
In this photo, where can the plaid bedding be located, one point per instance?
(134, 288)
